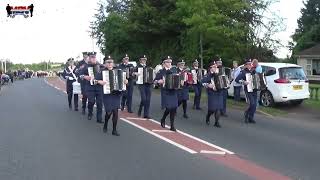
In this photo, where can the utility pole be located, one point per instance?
(5, 66)
(92, 40)
(201, 51)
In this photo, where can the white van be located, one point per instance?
(285, 83)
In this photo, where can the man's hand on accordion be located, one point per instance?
(160, 81)
(102, 83)
(88, 78)
(211, 86)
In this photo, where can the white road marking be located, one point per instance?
(161, 137)
(168, 140)
(198, 139)
(160, 130)
(213, 152)
(131, 118)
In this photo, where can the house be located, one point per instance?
(309, 59)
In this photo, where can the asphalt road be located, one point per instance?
(41, 139)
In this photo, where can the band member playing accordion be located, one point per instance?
(111, 99)
(224, 91)
(145, 76)
(93, 90)
(69, 75)
(183, 93)
(251, 94)
(170, 98)
(80, 66)
(197, 87)
(127, 95)
(214, 91)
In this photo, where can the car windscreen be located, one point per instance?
(293, 73)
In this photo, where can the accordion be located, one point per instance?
(223, 81)
(76, 88)
(92, 71)
(187, 77)
(91, 74)
(173, 81)
(145, 75)
(218, 83)
(256, 82)
(197, 76)
(129, 72)
(114, 80)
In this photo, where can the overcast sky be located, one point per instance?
(59, 29)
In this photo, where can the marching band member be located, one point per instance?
(170, 98)
(93, 91)
(111, 101)
(224, 91)
(215, 99)
(69, 74)
(80, 66)
(145, 91)
(197, 87)
(236, 86)
(183, 94)
(127, 95)
(251, 96)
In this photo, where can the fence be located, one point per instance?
(314, 93)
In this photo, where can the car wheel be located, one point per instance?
(296, 102)
(266, 99)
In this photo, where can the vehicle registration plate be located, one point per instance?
(297, 87)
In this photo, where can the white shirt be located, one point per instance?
(235, 73)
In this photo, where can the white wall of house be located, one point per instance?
(303, 62)
(306, 64)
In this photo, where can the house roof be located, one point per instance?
(313, 51)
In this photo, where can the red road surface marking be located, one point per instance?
(192, 144)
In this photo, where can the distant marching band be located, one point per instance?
(111, 87)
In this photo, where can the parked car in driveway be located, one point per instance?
(285, 83)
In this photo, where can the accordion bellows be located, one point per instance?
(114, 80)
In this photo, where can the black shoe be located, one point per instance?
(147, 117)
(252, 121)
(76, 109)
(216, 124)
(115, 133)
(163, 123)
(122, 108)
(130, 111)
(198, 108)
(99, 122)
(186, 116)
(89, 117)
(172, 128)
(83, 111)
(224, 115)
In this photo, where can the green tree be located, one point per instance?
(308, 32)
